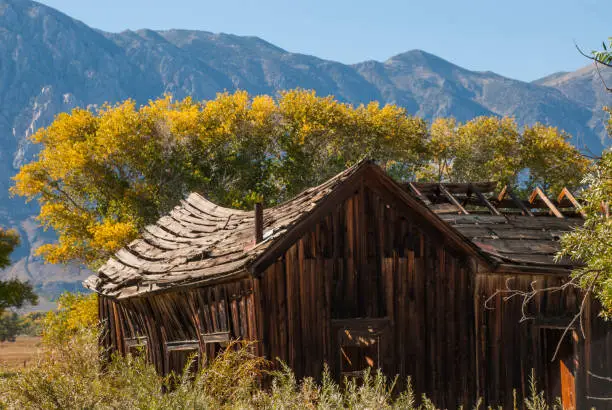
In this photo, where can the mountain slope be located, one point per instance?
(586, 87)
(51, 63)
(432, 87)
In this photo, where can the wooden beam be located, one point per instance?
(455, 187)
(537, 192)
(452, 199)
(418, 193)
(533, 269)
(182, 345)
(484, 200)
(136, 341)
(565, 193)
(519, 204)
(217, 337)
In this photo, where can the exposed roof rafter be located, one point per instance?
(484, 200)
(508, 191)
(566, 194)
(452, 199)
(538, 193)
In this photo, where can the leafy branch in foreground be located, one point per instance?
(591, 243)
(603, 56)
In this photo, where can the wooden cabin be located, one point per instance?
(364, 272)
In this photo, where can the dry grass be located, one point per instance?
(20, 353)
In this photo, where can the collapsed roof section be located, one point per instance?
(521, 235)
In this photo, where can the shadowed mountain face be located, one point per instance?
(51, 63)
(586, 87)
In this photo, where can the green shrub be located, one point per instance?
(10, 326)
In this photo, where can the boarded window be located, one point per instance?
(358, 349)
(181, 355)
(215, 344)
(185, 359)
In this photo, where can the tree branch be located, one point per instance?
(591, 57)
(596, 62)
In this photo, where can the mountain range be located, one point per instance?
(51, 63)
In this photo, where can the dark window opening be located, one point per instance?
(136, 346)
(356, 359)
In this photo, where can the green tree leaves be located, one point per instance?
(15, 294)
(495, 149)
(591, 243)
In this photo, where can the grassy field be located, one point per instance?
(18, 354)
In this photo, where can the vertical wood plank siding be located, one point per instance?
(508, 350)
(370, 258)
(182, 316)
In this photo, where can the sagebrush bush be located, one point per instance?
(70, 375)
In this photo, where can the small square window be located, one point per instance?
(359, 351)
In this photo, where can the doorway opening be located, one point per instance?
(560, 370)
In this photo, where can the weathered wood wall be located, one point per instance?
(197, 317)
(509, 349)
(368, 263)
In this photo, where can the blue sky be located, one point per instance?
(524, 39)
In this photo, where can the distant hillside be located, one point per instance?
(586, 87)
(50, 63)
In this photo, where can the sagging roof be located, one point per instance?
(199, 242)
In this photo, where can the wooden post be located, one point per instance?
(259, 222)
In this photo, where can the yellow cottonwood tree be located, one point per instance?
(495, 149)
(101, 176)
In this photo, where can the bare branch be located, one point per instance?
(528, 295)
(597, 62)
(609, 379)
(598, 398)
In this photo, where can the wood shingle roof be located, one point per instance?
(200, 242)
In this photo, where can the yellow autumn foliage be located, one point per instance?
(75, 312)
(102, 175)
(495, 149)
